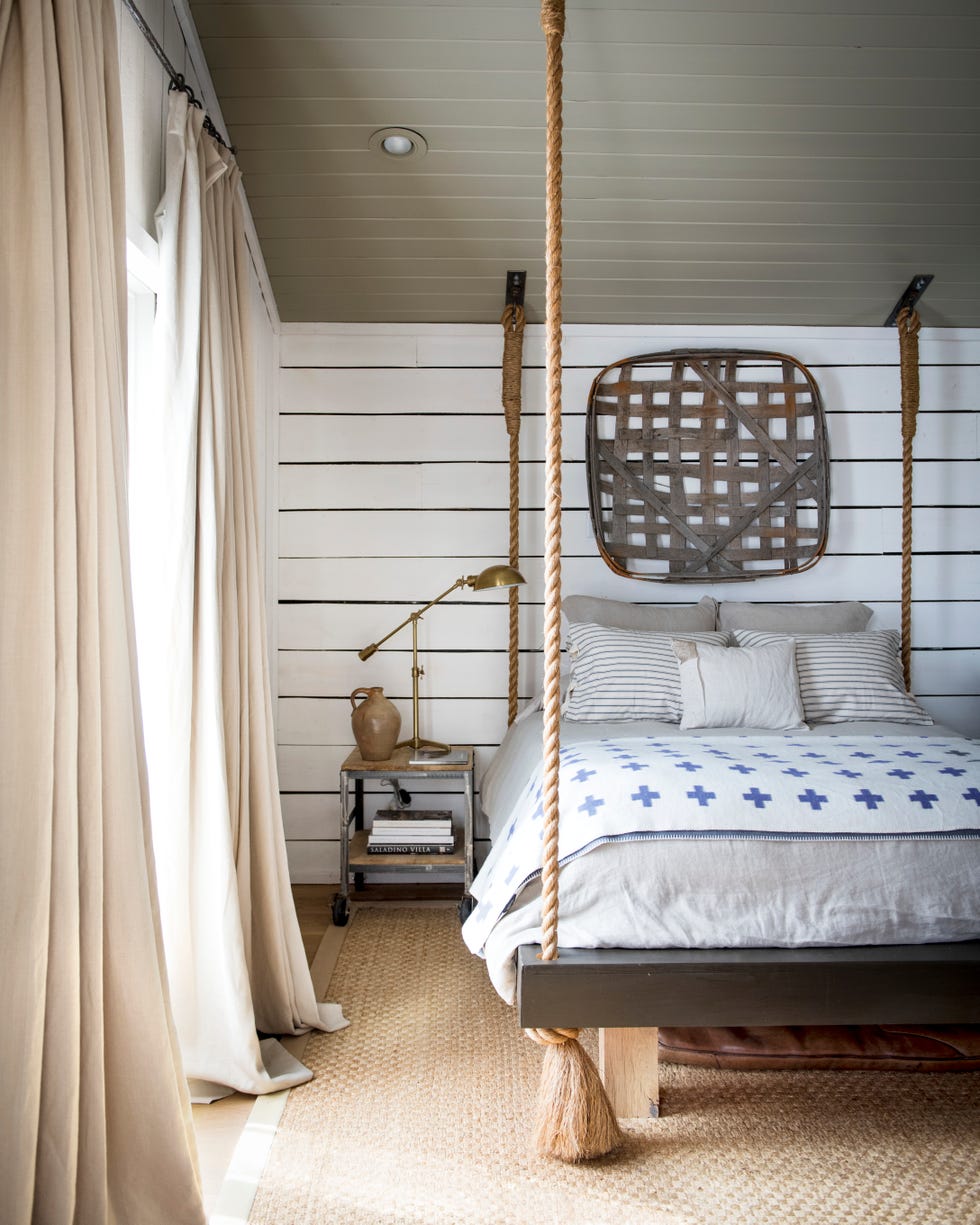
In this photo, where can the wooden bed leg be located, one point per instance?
(628, 1065)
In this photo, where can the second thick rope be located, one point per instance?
(908, 342)
(513, 321)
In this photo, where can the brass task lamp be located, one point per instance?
(493, 576)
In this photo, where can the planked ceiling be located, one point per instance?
(726, 161)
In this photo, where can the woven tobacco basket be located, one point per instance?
(707, 465)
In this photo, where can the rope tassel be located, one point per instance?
(576, 1121)
(575, 1117)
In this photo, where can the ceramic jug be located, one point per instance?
(375, 723)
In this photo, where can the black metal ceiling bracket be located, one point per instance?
(913, 292)
(515, 288)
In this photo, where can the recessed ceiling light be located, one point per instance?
(400, 144)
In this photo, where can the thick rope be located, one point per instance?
(575, 1119)
(908, 343)
(513, 325)
(513, 595)
(553, 24)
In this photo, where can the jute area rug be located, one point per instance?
(422, 1110)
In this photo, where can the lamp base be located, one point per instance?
(417, 742)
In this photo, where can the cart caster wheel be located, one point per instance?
(341, 910)
(466, 905)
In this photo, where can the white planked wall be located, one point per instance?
(393, 482)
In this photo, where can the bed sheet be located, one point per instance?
(728, 891)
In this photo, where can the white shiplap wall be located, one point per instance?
(393, 481)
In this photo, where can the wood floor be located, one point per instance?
(313, 911)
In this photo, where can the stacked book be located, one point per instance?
(412, 832)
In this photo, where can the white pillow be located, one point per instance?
(846, 677)
(619, 675)
(746, 687)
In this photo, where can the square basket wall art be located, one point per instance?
(707, 466)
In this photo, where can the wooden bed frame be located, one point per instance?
(624, 993)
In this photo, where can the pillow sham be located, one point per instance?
(741, 687)
(597, 610)
(848, 616)
(846, 677)
(624, 674)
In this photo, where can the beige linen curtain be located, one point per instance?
(96, 1117)
(234, 952)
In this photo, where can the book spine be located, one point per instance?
(419, 823)
(384, 836)
(409, 816)
(422, 828)
(409, 848)
(381, 839)
(428, 827)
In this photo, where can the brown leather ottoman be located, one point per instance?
(882, 1048)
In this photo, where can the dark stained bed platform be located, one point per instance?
(915, 984)
(628, 994)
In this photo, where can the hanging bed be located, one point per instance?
(734, 838)
(735, 877)
(815, 861)
(770, 864)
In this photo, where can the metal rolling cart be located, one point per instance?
(354, 856)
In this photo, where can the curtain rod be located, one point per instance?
(177, 80)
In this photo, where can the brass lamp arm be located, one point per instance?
(492, 576)
(465, 581)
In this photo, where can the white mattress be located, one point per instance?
(727, 893)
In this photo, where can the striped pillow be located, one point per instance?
(619, 675)
(847, 676)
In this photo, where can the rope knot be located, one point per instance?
(908, 319)
(512, 321)
(552, 1037)
(908, 325)
(553, 17)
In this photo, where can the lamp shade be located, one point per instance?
(497, 576)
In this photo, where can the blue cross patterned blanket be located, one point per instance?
(681, 787)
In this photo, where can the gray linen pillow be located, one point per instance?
(618, 614)
(845, 617)
(745, 687)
